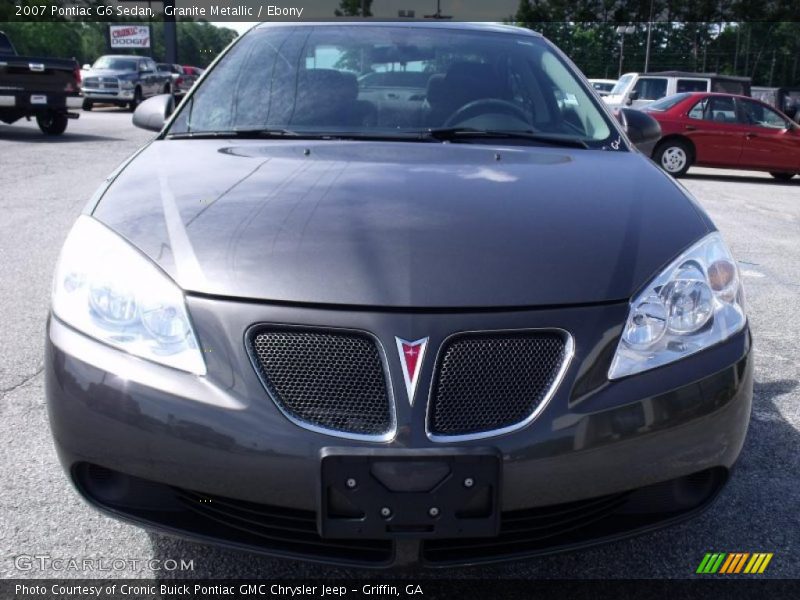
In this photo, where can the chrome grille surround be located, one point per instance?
(557, 379)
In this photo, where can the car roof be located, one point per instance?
(688, 74)
(717, 94)
(433, 24)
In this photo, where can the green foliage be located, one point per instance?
(353, 8)
(745, 38)
(198, 42)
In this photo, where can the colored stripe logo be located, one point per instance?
(723, 563)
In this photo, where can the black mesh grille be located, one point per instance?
(491, 381)
(332, 380)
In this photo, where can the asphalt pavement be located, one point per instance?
(44, 184)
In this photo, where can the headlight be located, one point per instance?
(125, 84)
(696, 302)
(108, 290)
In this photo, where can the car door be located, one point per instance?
(145, 79)
(149, 78)
(714, 128)
(772, 142)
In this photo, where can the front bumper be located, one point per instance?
(110, 96)
(661, 442)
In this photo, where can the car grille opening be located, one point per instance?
(547, 529)
(292, 532)
(331, 380)
(275, 530)
(491, 381)
(279, 529)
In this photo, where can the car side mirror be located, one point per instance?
(634, 95)
(153, 112)
(640, 127)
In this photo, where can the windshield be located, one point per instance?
(389, 81)
(621, 85)
(114, 63)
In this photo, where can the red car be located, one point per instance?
(724, 131)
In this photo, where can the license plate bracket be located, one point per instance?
(438, 493)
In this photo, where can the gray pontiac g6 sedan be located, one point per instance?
(389, 293)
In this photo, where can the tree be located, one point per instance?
(354, 8)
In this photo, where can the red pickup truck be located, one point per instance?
(43, 88)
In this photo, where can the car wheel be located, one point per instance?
(782, 176)
(88, 105)
(137, 99)
(674, 157)
(52, 123)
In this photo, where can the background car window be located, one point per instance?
(666, 103)
(650, 88)
(717, 109)
(699, 110)
(760, 115)
(691, 85)
(621, 85)
(115, 64)
(722, 110)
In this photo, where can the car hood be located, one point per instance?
(399, 224)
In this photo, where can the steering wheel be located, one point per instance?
(486, 105)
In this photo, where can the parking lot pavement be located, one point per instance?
(46, 182)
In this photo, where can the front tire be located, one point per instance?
(674, 156)
(782, 176)
(137, 99)
(52, 123)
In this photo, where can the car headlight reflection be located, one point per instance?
(696, 302)
(108, 290)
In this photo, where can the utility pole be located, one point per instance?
(438, 14)
(170, 34)
(772, 67)
(649, 36)
(623, 31)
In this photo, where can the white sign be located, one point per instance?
(129, 36)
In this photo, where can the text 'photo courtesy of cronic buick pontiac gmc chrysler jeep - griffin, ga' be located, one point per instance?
(443, 315)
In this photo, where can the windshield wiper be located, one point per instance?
(448, 134)
(237, 133)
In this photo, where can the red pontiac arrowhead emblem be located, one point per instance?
(411, 356)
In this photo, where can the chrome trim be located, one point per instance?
(8, 101)
(383, 437)
(36, 67)
(569, 353)
(74, 101)
(411, 383)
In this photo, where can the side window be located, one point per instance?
(650, 88)
(722, 110)
(761, 115)
(691, 85)
(699, 110)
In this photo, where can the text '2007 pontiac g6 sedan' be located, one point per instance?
(383, 293)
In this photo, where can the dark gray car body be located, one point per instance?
(407, 239)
